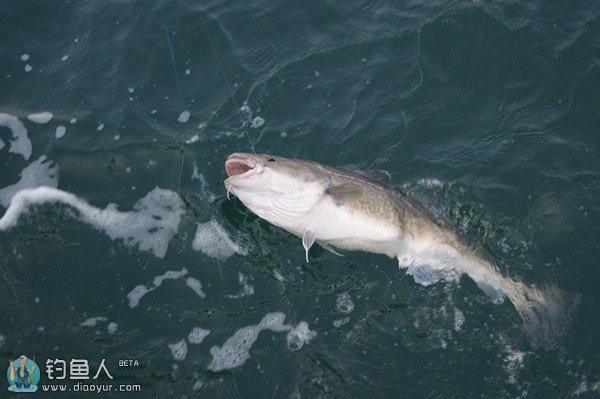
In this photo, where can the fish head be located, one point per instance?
(280, 190)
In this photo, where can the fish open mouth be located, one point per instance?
(239, 165)
(239, 168)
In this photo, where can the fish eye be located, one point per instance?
(271, 159)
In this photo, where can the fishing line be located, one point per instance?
(173, 64)
(178, 157)
(237, 108)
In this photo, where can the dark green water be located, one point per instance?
(486, 112)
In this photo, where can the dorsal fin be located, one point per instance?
(344, 193)
(378, 175)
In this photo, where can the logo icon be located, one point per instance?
(23, 375)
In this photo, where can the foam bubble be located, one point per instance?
(235, 351)
(197, 335)
(92, 321)
(149, 226)
(19, 143)
(24, 57)
(179, 350)
(257, 122)
(340, 322)
(344, 303)
(212, 240)
(299, 336)
(112, 328)
(38, 173)
(247, 289)
(184, 117)
(41, 117)
(60, 131)
(28, 68)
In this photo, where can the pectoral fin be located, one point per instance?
(308, 239)
(344, 193)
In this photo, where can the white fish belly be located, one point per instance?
(348, 229)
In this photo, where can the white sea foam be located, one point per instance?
(247, 289)
(459, 319)
(212, 240)
(28, 68)
(344, 303)
(38, 173)
(430, 183)
(179, 350)
(197, 335)
(136, 294)
(195, 174)
(584, 387)
(41, 117)
(19, 143)
(235, 351)
(513, 363)
(198, 384)
(60, 131)
(205, 193)
(196, 286)
(24, 57)
(300, 335)
(65, 57)
(100, 127)
(149, 226)
(257, 122)
(195, 138)
(92, 321)
(2, 144)
(184, 117)
(112, 327)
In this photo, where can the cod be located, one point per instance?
(354, 210)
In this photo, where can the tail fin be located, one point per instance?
(547, 312)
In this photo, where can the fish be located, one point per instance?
(353, 210)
